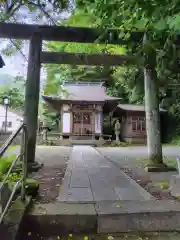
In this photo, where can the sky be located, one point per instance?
(16, 64)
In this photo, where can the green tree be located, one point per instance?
(15, 91)
(162, 19)
(56, 74)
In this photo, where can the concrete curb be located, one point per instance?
(104, 217)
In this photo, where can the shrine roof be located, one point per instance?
(83, 91)
(135, 107)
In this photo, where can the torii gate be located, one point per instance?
(36, 34)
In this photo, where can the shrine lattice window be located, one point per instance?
(138, 124)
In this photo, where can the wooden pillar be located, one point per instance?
(60, 126)
(93, 121)
(101, 123)
(71, 124)
(32, 94)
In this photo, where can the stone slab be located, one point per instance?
(94, 178)
(128, 193)
(107, 194)
(11, 227)
(61, 219)
(79, 179)
(80, 195)
(63, 194)
(132, 207)
(139, 189)
(78, 183)
(133, 216)
(142, 222)
(98, 184)
(104, 217)
(118, 181)
(175, 185)
(63, 209)
(63, 190)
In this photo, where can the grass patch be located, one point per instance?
(169, 161)
(116, 144)
(164, 185)
(175, 141)
(13, 147)
(6, 162)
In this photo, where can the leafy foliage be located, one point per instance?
(57, 74)
(161, 19)
(15, 91)
(42, 7)
(135, 14)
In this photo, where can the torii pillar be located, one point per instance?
(32, 95)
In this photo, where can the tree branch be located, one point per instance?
(21, 52)
(44, 11)
(12, 11)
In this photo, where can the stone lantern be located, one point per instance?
(45, 129)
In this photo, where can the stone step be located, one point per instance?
(121, 236)
(103, 217)
(9, 228)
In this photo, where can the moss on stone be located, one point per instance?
(164, 185)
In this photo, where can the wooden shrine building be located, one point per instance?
(82, 106)
(133, 122)
(36, 34)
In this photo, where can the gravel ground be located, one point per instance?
(51, 174)
(151, 185)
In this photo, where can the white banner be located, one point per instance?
(98, 117)
(66, 122)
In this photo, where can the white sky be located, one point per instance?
(16, 64)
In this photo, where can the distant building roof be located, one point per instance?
(134, 107)
(83, 91)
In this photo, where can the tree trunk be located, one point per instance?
(152, 109)
(32, 95)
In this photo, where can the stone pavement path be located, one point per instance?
(90, 177)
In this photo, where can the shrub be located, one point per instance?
(5, 163)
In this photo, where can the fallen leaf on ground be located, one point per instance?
(110, 237)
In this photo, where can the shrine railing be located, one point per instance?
(22, 158)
